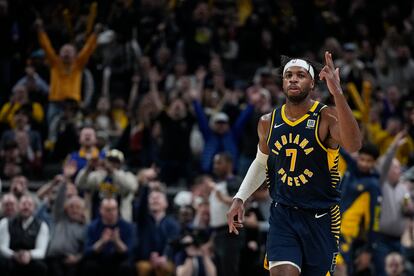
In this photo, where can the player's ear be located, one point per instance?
(313, 84)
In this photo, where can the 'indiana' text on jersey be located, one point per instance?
(301, 171)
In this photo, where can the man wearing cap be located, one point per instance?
(351, 68)
(218, 134)
(109, 181)
(298, 157)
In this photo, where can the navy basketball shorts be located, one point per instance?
(304, 238)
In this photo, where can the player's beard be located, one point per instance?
(299, 98)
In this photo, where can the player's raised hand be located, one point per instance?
(39, 24)
(330, 75)
(236, 209)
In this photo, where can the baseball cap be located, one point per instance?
(115, 155)
(350, 47)
(220, 117)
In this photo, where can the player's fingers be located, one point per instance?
(238, 225)
(231, 228)
(322, 74)
(230, 218)
(325, 69)
(328, 59)
(337, 74)
(330, 62)
(326, 73)
(240, 215)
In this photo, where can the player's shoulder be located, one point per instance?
(329, 113)
(327, 109)
(266, 117)
(263, 126)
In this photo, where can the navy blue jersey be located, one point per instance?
(301, 171)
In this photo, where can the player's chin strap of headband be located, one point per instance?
(300, 63)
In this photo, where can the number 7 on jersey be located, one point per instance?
(292, 153)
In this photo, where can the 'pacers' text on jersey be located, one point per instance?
(301, 171)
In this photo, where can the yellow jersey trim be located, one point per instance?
(335, 222)
(266, 263)
(332, 156)
(271, 126)
(301, 119)
(317, 132)
(333, 159)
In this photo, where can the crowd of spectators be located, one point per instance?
(126, 127)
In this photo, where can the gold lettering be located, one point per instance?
(289, 182)
(309, 150)
(278, 145)
(296, 141)
(296, 179)
(281, 171)
(284, 178)
(290, 137)
(308, 173)
(284, 139)
(275, 152)
(304, 143)
(303, 179)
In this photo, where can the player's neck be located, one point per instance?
(294, 111)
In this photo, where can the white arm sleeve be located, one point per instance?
(254, 177)
(5, 250)
(39, 252)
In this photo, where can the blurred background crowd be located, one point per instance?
(126, 126)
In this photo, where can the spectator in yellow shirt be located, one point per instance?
(18, 99)
(66, 69)
(384, 137)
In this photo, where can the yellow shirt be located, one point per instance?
(383, 140)
(120, 117)
(8, 110)
(65, 81)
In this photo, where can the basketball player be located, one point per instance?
(298, 156)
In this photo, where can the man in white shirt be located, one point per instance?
(23, 241)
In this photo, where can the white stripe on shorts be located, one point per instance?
(273, 264)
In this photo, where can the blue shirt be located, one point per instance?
(80, 157)
(152, 236)
(94, 233)
(215, 143)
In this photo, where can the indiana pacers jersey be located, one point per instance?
(301, 171)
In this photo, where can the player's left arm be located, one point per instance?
(342, 126)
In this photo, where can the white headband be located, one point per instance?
(299, 63)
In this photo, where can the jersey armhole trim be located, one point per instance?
(317, 134)
(271, 127)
